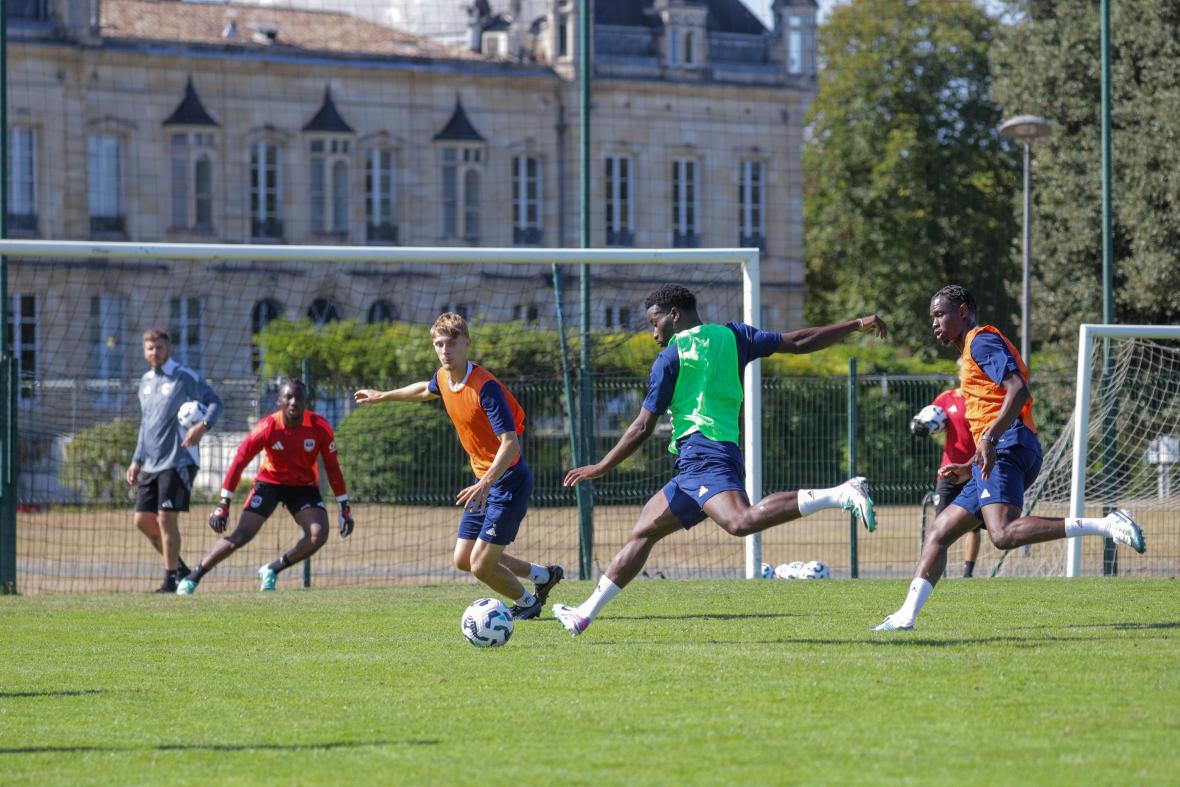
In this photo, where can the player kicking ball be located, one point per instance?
(293, 439)
(698, 379)
(994, 382)
(489, 422)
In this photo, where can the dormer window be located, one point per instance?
(330, 150)
(462, 155)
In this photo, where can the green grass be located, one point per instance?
(1005, 681)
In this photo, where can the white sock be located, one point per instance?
(1085, 526)
(812, 500)
(601, 596)
(920, 590)
(527, 600)
(538, 575)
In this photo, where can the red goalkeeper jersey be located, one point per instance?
(959, 446)
(291, 454)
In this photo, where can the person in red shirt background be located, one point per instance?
(958, 448)
(293, 438)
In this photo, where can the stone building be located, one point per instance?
(403, 122)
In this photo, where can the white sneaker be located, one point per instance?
(267, 575)
(891, 625)
(1123, 529)
(574, 623)
(857, 501)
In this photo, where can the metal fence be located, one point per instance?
(404, 466)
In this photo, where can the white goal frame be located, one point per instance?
(1087, 334)
(747, 259)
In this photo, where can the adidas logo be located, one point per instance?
(278, 446)
(704, 490)
(491, 531)
(985, 494)
(166, 504)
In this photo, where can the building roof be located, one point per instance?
(459, 128)
(725, 16)
(190, 111)
(328, 119)
(261, 28)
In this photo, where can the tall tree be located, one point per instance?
(1047, 63)
(908, 184)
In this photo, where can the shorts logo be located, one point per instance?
(704, 490)
(166, 388)
(309, 444)
(492, 531)
(256, 501)
(985, 494)
(278, 446)
(167, 504)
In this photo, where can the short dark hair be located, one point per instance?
(955, 294)
(294, 382)
(672, 296)
(157, 335)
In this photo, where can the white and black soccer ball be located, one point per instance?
(191, 413)
(931, 419)
(487, 623)
(767, 571)
(789, 570)
(814, 570)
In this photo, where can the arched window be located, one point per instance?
(264, 312)
(323, 311)
(382, 311)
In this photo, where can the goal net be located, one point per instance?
(1120, 449)
(347, 317)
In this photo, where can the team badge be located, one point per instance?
(309, 444)
(166, 388)
(256, 501)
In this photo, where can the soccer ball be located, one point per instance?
(789, 570)
(929, 420)
(487, 623)
(814, 570)
(767, 571)
(191, 413)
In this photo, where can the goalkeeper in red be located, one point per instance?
(293, 439)
(697, 378)
(994, 381)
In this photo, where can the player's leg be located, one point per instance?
(971, 547)
(147, 524)
(169, 537)
(307, 508)
(249, 523)
(657, 520)
(508, 504)
(487, 568)
(954, 522)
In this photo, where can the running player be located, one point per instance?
(293, 439)
(489, 422)
(1007, 457)
(698, 378)
(957, 448)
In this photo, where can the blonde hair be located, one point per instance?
(157, 335)
(450, 325)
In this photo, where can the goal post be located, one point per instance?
(1088, 335)
(647, 267)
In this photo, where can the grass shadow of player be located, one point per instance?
(218, 747)
(8, 695)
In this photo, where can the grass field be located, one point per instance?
(725, 682)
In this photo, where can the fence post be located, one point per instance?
(309, 381)
(853, 563)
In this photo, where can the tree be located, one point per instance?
(908, 184)
(1047, 63)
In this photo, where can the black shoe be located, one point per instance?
(167, 587)
(182, 570)
(529, 612)
(556, 573)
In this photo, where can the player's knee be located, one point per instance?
(318, 535)
(463, 563)
(736, 526)
(1002, 539)
(239, 538)
(483, 569)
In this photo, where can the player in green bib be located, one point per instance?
(697, 379)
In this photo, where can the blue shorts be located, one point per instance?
(508, 502)
(1017, 466)
(705, 468)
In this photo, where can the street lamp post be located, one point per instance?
(1024, 129)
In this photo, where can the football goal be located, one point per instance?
(348, 317)
(1120, 449)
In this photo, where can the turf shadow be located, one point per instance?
(222, 747)
(711, 616)
(7, 695)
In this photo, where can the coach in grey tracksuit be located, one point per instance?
(165, 461)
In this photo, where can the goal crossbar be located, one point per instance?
(746, 258)
(1088, 333)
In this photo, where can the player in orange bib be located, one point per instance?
(293, 439)
(489, 422)
(994, 382)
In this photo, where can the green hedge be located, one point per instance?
(96, 460)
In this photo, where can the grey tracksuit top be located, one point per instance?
(161, 393)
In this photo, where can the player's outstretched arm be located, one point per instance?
(414, 392)
(639, 430)
(809, 340)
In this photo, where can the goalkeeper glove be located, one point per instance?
(220, 516)
(346, 522)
